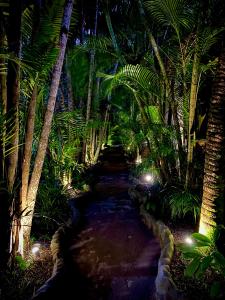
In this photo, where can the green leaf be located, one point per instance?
(191, 254)
(220, 259)
(23, 264)
(205, 263)
(192, 267)
(215, 289)
(185, 248)
(204, 240)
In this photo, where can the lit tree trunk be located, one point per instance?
(17, 242)
(102, 135)
(4, 203)
(39, 160)
(213, 183)
(192, 107)
(3, 98)
(90, 84)
(13, 97)
(172, 103)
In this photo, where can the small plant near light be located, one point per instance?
(181, 203)
(22, 263)
(202, 254)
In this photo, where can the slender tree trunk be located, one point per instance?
(3, 98)
(4, 203)
(192, 107)
(172, 103)
(13, 97)
(39, 160)
(17, 233)
(13, 87)
(90, 84)
(69, 87)
(213, 182)
(113, 37)
(102, 134)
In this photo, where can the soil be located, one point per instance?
(191, 288)
(21, 282)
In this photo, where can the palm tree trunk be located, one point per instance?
(17, 242)
(169, 94)
(39, 160)
(3, 98)
(213, 182)
(192, 107)
(102, 134)
(13, 87)
(70, 88)
(90, 83)
(113, 37)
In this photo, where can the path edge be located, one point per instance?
(165, 287)
(59, 238)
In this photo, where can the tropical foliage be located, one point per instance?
(148, 75)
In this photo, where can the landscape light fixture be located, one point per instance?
(138, 161)
(35, 249)
(148, 178)
(188, 240)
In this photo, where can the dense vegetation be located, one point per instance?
(76, 75)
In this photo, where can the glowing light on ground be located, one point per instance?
(188, 240)
(138, 161)
(148, 178)
(35, 249)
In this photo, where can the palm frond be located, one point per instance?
(98, 44)
(27, 22)
(174, 13)
(207, 38)
(135, 77)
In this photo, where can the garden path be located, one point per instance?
(113, 256)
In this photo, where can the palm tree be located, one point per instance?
(29, 203)
(213, 184)
(13, 86)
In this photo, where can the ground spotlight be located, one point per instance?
(36, 249)
(148, 178)
(188, 240)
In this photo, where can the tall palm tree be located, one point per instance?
(213, 183)
(13, 86)
(29, 202)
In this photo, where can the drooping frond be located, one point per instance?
(98, 44)
(174, 13)
(41, 44)
(72, 121)
(135, 77)
(207, 38)
(27, 22)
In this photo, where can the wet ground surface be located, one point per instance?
(113, 256)
(114, 249)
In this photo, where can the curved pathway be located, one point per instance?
(112, 256)
(114, 249)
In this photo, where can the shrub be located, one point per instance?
(202, 255)
(181, 203)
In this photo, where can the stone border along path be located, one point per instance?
(111, 255)
(164, 286)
